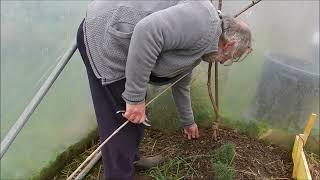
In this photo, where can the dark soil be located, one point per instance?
(253, 159)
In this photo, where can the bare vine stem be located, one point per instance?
(247, 7)
(220, 5)
(215, 102)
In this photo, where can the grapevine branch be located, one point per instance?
(247, 7)
(215, 102)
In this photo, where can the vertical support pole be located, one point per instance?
(300, 165)
(298, 149)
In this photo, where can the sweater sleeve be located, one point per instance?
(168, 29)
(181, 96)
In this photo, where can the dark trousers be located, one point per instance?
(121, 151)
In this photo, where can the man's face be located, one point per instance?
(228, 53)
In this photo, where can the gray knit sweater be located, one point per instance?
(132, 39)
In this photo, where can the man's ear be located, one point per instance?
(228, 45)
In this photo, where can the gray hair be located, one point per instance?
(232, 30)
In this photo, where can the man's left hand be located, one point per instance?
(192, 131)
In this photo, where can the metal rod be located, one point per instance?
(24, 117)
(86, 169)
(117, 130)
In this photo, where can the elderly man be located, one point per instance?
(127, 44)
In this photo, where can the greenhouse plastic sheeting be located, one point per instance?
(277, 86)
(34, 35)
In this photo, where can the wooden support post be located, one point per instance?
(300, 164)
(296, 153)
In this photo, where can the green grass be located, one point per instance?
(222, 160)
(172, 170)
(179, 168)
(223, 172)
(250, 128)
(224, 154)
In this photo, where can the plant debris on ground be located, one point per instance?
(197, 159)
(313, 164)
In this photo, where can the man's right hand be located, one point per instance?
(135, 113)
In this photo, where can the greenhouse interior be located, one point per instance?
(266, 102)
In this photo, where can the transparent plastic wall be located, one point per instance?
(34, 35)
(276, 87)
(279, 84)
(264, 88)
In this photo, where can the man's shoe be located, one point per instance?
(145, 163)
